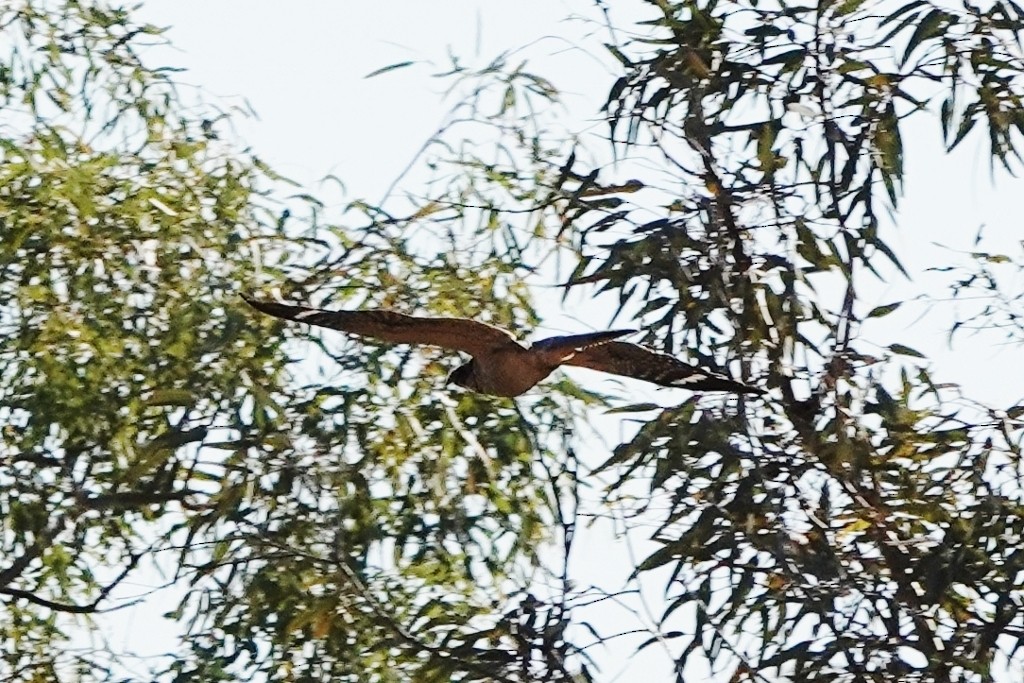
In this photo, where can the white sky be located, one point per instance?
(303, 68)
(302, 64)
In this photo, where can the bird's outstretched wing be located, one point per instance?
(573, 344)
(630, 360)
(460, 334)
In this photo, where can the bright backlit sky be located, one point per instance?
(302, 69)
(301, 66)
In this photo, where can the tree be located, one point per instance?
(125, 232)
(149, 424)
(854, 530)
(861, 523)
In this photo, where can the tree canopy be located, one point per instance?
(327, 510)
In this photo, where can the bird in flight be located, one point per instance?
(503, 366)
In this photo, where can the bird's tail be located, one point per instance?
(313, 316)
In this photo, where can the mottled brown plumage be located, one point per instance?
(503, 366)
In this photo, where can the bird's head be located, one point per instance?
(462, 376)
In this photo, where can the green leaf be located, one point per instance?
(905, 350)
(633, 408)
(389, 67)
(849, 7)
(881, 311)
(171, 397)
(931, 25)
